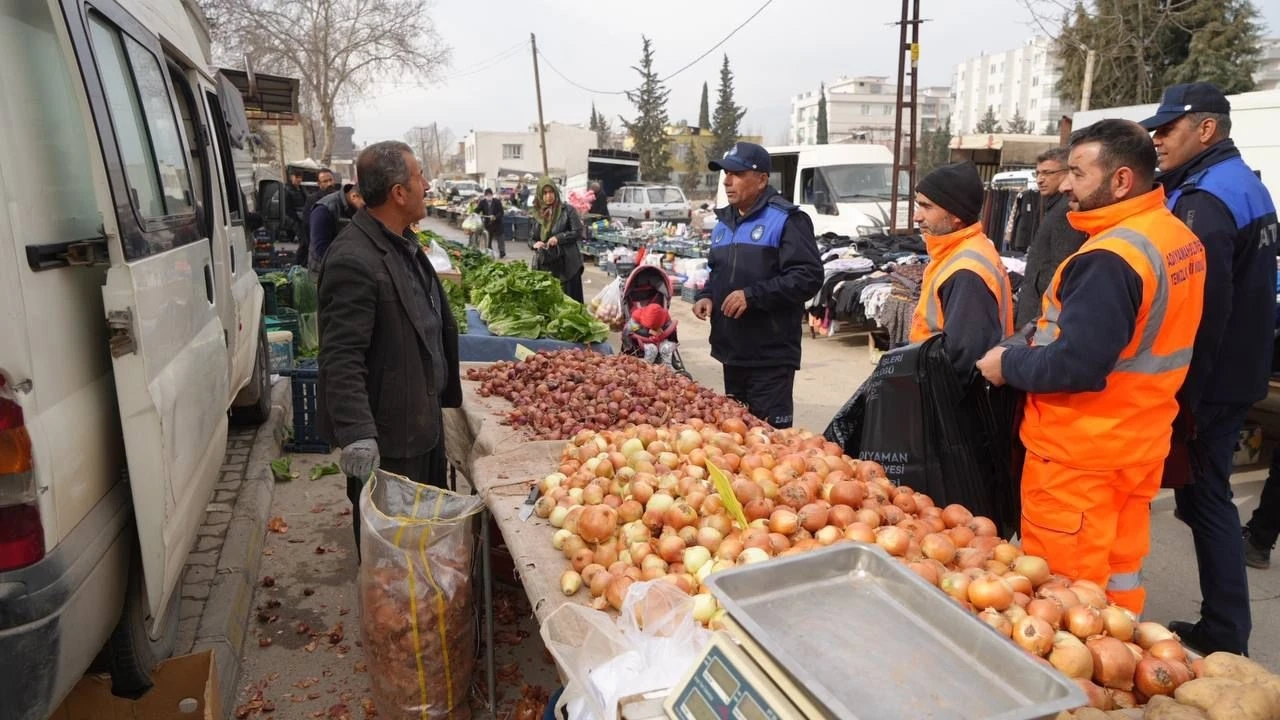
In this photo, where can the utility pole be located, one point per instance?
(435, 131)
(1086, 87)
(537, 86)
(911, 17)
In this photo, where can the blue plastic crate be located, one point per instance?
(305, 382)
(688, 294)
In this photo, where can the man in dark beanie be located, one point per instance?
(965, 294)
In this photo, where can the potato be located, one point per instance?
(1204, 692)
(1126, 714)
(1088, 713)
(1235, 667)
(1252, 702)
(1163, 707)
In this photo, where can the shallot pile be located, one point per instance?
(559, 394)
(639, 504)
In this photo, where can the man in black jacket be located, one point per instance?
(490, 208)
(764, 265)
(1054, 241)
(389, 350)
(1213, 191)
(326, 186)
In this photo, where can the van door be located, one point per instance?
(169, 354)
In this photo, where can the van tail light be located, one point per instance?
(21, 530)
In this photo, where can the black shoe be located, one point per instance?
(1193, 636)
(1255, 556)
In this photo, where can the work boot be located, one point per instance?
(1255, 556)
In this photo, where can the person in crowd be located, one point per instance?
(599, 202)
(764, 266)
(328, 218)
(1211, 189)
(389, 355)
(1102, 371)
(522, 194)
(1264, 525)
(325, 186)
(295, 197)
(1054, 240)
(560, 231)
(490, 208)
(965, 294)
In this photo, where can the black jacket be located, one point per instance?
(377, 376)
(493, 208)
(1231, 364)
(778, 275)
(568, 231)
(600, 205)
(1055, 241)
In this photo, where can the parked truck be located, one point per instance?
(132, 324)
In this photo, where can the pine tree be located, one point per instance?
(822, 114)
(935, 149)
(989, 124)
(1018, 124)
(693, 168)
(724, 124)
(704, 111)
(595, 119)
(648, 129)
(1143, 46)
(602, 128)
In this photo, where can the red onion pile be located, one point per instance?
(559, 394)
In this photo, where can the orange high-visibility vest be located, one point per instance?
(967, 249)
(1127, 423)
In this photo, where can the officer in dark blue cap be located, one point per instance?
(764, 267)
(1211, 189)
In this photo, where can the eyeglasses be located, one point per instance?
(1049, 173)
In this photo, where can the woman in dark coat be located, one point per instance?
(557, 251)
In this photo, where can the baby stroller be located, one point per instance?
(648, 329)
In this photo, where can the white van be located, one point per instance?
(131, 318)
(845, 188)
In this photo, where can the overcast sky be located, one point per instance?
(790, 47)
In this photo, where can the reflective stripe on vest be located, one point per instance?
(1125, 581)
(1144, 361)
(933, 306)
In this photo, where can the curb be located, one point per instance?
(224, 623)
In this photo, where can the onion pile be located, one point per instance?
(557, 395)
(638, 504)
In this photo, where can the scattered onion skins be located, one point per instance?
(654, 514)
(557, 395)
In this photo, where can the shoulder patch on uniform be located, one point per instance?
(757, 232)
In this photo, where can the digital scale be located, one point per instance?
(737, 680)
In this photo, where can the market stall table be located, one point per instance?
(480, 345)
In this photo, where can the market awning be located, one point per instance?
(267, 93)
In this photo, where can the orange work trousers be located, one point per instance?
(1091, 524)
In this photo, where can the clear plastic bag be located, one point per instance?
(607, 304)
(438, 257)
(473, 223)
(416, 613)
(650, 646)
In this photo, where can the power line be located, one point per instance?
(478, 67)
(688, 65)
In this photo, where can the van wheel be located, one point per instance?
(131, 653)
(257, 395)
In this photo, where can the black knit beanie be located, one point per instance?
(956, 188)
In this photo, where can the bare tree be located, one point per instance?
(433, 145)
(336, 48)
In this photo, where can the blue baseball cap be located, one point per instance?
(743, 156)
(1179, 100)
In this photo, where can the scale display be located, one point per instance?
(727, 685)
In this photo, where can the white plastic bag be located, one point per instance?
(438, 257)
(607, 304)
(650, 646)
(472, 223)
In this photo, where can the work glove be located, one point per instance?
(360, 459)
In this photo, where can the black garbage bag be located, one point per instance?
(953, 440)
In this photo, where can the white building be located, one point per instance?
(862, 109)
(488, 155)
(1268, 75)
(1019, 81)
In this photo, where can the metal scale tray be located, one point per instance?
(870, 640)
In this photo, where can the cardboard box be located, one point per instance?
(186, 688)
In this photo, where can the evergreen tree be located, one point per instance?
(704, 110)
(648, 129)
(1050, 128)
(822, 114)
(1142, 46)
(602, 127)
(693, 168)
(594, 125)
(989, 124)
(724, 124)
(935, 149)
(1018, 124)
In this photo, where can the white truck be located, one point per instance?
(845, 188)
(131, 318)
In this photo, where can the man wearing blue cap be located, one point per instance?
(1213, 191)
(764, 266)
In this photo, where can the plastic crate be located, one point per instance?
(305, 382)
(624, 269)
(688, 294)
(285, 319)
(270, 299)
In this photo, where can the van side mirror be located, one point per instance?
(252, 221)
(822, 203)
